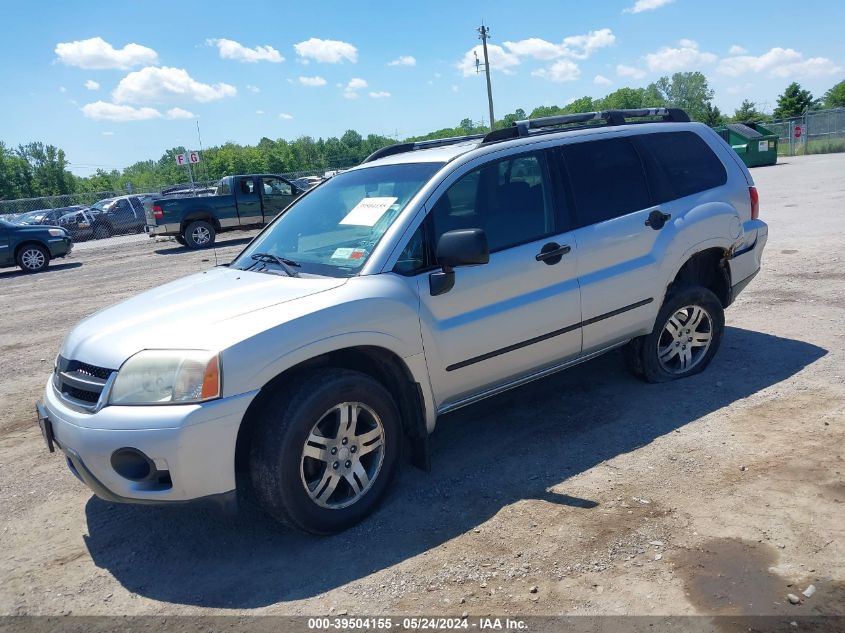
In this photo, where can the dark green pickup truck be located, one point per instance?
(238, 202)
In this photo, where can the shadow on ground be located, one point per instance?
(52, 268)
(485, 457)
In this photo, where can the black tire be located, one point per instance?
(199, 234)
(641, 354)
(277, 465)
(181, 240)
(101, 232)
(33, 258)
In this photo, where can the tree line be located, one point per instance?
(36, 169)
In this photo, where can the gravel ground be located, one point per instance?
(586, 493)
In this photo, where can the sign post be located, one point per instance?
(187, 159)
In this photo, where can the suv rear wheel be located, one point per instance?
(325, 450)
(686, 336)
(33, 258)
(101, 232)
(199, 234)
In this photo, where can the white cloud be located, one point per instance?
(601, 80)
(62, 89)
(326, 51)
(97, 54)
(259, 112)
(686, 56)
(285, 116)
(562, 70)
(647, 5)
(179, 113)
(254, 89)
(500, 59)
(629, 71)
(382, 94)
(230, 49)
(312, 82)
(102, 111)
(403, 60)
(455, 88)
(155, 84)
(778, 62)
(107, 133)
(355, 84)
(92, 85)
(736, 49)
(575, 46)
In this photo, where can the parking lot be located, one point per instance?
(587, 493)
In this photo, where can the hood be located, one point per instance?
(196, 312)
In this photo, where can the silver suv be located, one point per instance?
(431, 276)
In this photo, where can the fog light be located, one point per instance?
(132, 464)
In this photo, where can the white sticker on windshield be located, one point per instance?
(368, 211)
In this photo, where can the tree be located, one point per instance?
(713, 116)
(748, 113)
(794, 101)
(835, 97)
(688, 91)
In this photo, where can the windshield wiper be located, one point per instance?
(285, 264)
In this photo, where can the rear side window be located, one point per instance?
(606, 178)
(687, 163)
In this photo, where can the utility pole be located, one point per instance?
(483, 34)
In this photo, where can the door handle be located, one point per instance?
(657, 219)
(552, 253)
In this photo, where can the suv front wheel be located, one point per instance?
(686, 336)
(325, 450)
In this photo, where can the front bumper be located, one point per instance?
(60, 246)
(745, 264)
(194, 444)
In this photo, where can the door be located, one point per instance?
(122, 216)
(619, 237)
(5, 246)
(248, 201)
(521, 311)
(276, 195)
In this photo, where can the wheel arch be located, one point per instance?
(199, 214)
(32, 242)
(706, 265)
(378, 362)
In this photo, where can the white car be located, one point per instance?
(429, 277)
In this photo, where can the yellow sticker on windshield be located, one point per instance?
(368, 211)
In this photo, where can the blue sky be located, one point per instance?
(116, 82)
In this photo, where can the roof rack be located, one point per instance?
(606, 117)
(401, 148)
(542, 125)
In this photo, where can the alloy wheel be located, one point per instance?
(342, 455)
(32, 259)
(685, 339)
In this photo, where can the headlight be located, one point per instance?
(57, 232)
(167, 377)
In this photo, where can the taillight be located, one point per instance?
(158, 212)
(755, 202)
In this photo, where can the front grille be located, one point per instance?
(91, 370)
(80, 394)
(80, 381)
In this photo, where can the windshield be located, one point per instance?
(33, 217)
(103, 205)
(334, 229)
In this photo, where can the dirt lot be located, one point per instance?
(718, 494)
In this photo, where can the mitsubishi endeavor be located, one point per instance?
(431, 276)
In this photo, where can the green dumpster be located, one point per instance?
(755, 144)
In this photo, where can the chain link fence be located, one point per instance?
(104, 218)
(818, 132)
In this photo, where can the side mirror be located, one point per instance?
(462, 247)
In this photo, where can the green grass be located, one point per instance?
(817, 146)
